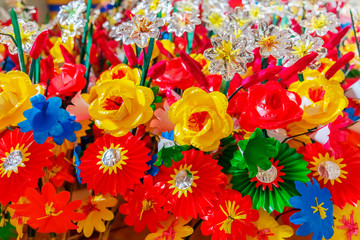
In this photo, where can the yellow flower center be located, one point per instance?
(225, 52)
(320, 209)
(254, 12)
(267, 43)
(112, 158)
(216, 19)
(183, 180)
(54, 171)
(154, 4)
(318, 22)
(146, 206)
(25, 36)
(50, 211)
(328, 168)
(301, 49)
(232, 215)
(13, 160)
(142, 26)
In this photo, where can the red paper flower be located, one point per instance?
(175, 75)
(144, 207)
(21, 164)
(50, 212)
(231, 218)
(339, 174)
(114, 164)
(270, 106)
(191, 184)
(60, 170)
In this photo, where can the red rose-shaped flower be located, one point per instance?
(270, 106)
(231, 218)
(175, 75)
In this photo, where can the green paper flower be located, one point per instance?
(229, 151)
(255, 153)
(7, 230)
(272, 189)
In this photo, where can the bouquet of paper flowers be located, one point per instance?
(182, 119)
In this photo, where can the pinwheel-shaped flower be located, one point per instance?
(228, 56)
(183, 22)
(49, 211)
(47, 119)
(316, 211)
(140, 29)
(320, 22)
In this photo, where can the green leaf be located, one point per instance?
(158, 99)
(8, 231)
(147, 58)
(353, 73)
(15, 23)
(229, 153)
(167, 155)
(155, 90)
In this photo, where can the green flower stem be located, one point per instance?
(32, 68)
(37, 71)
(87, 62)
(83, 42)
(224, 87)
(146, 61)
(354, 29)
(190, 39)
(15, 23)
(264, 63)
(236, 91)
(301, 77)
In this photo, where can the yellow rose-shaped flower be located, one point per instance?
(310, 74)
(16, 90)
(322, 101)
(120, 106)
(120, 71)
(200, 119)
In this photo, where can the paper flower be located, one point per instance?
(121, 106)
(49, 211)
(228, 56)
(271, 40)
(140, 29)
(71, 28)
(28, 33)
(189, 184)
(21, 164)
(346, 221)
(183, 22)
(96, 211)
(47, 119)
(339, 174)
(17, 90)
(173, 228)
(153, 169)
(316, 211)
(144, 206)
(60, 170)
(162, 122)
(71, 12)
(231, 218)
(114, 164)
(269, 106)
(17, 221)
(268, 228)
(320, 22)
(200, 119)
(271, 189)
(322, 101)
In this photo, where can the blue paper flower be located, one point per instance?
(168, 135)
(153, 169)
(77, 151)
(47, 119)
(351, 112)
(316, 211)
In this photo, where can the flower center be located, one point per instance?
(143, 25)
(54, 171)
(111, 157)
(146, 206)
(264, 234)
(255, 12)
(197, 121)
(319, 208)
(89, 207)
(183, 179)
(113, 103)
(319, 22)
(329, 170)
(13, 159)
(232, 215)
(351, 226)
(216, 19)
(316, 94)
(50, 211)
(301, 48)
(267, 176)
(154, 4)
(267, 43)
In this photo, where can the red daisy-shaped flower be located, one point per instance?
(192, 184)
(21, 164)
(232, 217)
(144, 206)
(50, 212)
(339, 174)
(60, 170)
(114, 164)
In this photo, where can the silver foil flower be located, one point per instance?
(239, 18)
(183, 22)
(140, 29)
(71, 12)
(187, 6)
(228, 56)
(320, 22)
(28, 32)
(155, 6)
(302, 46)
(257, 11)
(271, 40)
(71, 29)
(214, 15)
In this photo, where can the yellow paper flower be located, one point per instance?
(350, 46)
(15, 94)
(269, 228)
(16, 220)
(322, 101)
(55, 51)
(310, 74)
(96, 213)
(346, 222)
(173, 229)
(120, 71)
(121, 106)
(201, 119)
